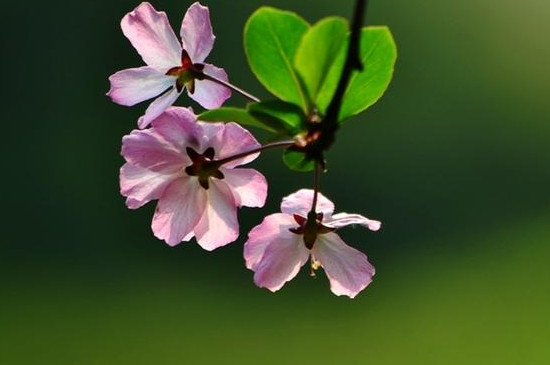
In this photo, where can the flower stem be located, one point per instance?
(316, 187)
(282, 144)
(232, 87)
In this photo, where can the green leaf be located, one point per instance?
(298, 161)
(271, 38)
(289, 117)
(230, 114)
(318, 49)
(378, 54)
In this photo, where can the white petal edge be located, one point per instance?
(344, 219)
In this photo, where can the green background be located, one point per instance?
(454, 160)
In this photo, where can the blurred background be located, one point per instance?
(454, 160)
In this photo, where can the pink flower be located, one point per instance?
(170, 67)
(278, 247)
(174, 162)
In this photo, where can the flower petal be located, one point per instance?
(134, 85)
(209, 135)
(300, 203)
(209, 94)
(146, 149)
(140, 185)
(158, 106)
(249, 187)
(282, 259)
(344, 219)
(348, 269)
(218, 225)
(150, 33)
(233, 139)
(261, 236)
(179, 210)
(178, 126)
(196, 32)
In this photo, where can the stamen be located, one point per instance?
(314, 265)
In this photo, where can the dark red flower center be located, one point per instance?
(186, 73)
(203, 166)
(310, 227)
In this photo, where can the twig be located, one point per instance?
(353, 63)
(232, 87)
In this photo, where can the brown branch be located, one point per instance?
(330, 124)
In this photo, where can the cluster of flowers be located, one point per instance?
(193, 168)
